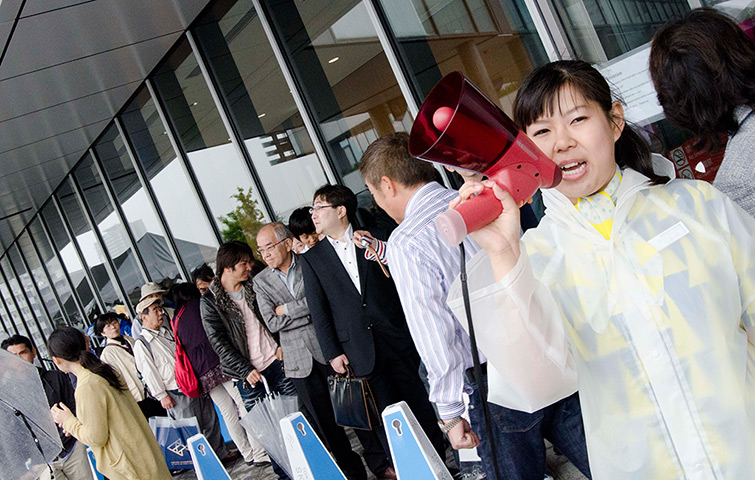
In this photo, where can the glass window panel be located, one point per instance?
(26, 295)
(7, 321)
(15, 318)
(600, 30)
(144, 224)
(493, 42)
(8, 329)
(15, 288)
(71, 260)
(38, 276)
(220, 171)
(55, 270)
(603, 30)
(90, 248)
(249, 78)
(345, 76)
(191, 231)
(111, 229)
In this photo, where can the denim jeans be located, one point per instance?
(518, 437)
(277, 383)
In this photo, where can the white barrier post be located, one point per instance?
(306, 453)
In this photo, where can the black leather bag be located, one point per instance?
(353, 403)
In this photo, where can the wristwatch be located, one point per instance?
(449, 425)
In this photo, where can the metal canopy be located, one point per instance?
(69, 67)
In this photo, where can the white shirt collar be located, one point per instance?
(347, 236)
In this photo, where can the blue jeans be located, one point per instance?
(277, 383)
(518, 437)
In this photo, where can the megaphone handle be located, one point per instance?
(455, 223)
(480, 210)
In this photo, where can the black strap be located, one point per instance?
(477, 367)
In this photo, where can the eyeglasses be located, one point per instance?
(320, 207)
(264, 250)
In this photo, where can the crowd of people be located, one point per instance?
(633, 299)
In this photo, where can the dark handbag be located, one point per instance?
(353, 403)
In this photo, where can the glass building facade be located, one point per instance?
(258, 104)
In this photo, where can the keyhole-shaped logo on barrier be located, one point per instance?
(300, 427)
(396, 424)
(201, 449)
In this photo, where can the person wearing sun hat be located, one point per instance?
(148, 291)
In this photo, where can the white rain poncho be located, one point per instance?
(655, 321)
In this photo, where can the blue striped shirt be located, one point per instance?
(424, 267)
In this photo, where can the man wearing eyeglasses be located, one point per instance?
(357, 313)
(283, 306)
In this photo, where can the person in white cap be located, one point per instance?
(149, 290)
(154, 351)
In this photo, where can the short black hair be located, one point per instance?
(184, 292)
(338, 195)
(231, 253)
(104, 319)
(540, 95)
(203, 273)
(300, 222)
(16, 340)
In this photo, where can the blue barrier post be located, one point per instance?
(93, 465)
(414, 457)
(206, 463)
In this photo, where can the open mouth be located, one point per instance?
(573, 168)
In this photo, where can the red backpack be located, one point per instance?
(185, 378)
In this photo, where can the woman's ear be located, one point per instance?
(617, 119)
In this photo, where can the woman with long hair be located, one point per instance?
(642, 284)
(107, 419)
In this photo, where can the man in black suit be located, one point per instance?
(357, 313)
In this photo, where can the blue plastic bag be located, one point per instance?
(172, 435)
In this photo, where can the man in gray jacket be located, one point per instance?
(283, 305)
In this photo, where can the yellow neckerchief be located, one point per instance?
(599, 208)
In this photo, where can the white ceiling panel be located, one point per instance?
(35, 7)
(70, 66)
(9, 10)
(99, 73)
(85, 30)
(65, 117)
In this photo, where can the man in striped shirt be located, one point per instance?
(423, 268)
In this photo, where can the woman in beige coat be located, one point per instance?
(108, 419)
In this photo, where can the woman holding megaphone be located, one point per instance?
(642, 283)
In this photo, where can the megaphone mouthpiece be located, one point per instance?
(442, 117)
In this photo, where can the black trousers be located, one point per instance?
(395, 378)
(313, 392)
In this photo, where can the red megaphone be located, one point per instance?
(460, 127)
